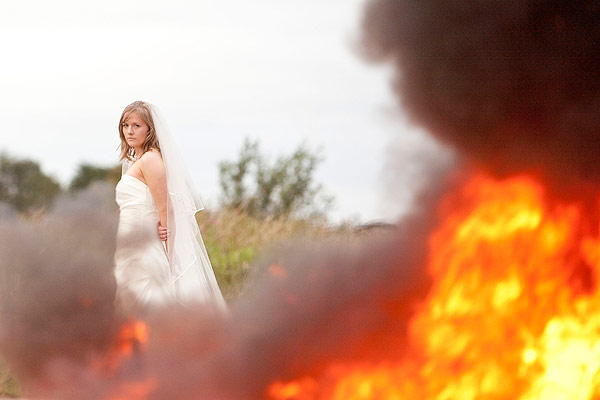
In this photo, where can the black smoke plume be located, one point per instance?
(514, 85)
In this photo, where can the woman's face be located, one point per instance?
(135, 130)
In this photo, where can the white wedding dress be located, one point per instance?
(142, 270)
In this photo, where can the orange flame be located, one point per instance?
(513, 311)
(131, 338)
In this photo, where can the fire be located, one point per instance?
(130, 340)
(128, 346)
(132, 336)
(513, 311)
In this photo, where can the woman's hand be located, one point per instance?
(163, 232)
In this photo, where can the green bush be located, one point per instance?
(285, 187)
(24, 186)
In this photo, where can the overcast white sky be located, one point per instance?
(282, 72)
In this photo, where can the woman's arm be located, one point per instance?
(153, 170)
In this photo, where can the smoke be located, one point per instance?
(413, 162)
(55, 288)
(512, 84)
(6, 212)
(310, 304)
(306, 305)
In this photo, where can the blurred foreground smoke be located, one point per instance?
(56, 289)
(310, 304)
(512, 84)
(307, 305)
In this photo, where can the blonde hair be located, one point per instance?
(151, 141)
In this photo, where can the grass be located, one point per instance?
(8, 385)
(234, 239)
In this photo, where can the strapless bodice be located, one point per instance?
(133, 193)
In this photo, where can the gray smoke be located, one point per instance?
(306, 305)
(55, 289)
(512, 84)
(412, 162)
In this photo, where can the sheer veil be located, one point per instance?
(192, 276)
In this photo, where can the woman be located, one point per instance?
(155, 190)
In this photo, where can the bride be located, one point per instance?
(172, 267)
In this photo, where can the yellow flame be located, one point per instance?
(513, 311)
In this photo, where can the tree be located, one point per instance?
(24, 186)
(285, 188)
(87, 173)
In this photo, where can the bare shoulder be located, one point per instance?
(152, 155)
(151, 163)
